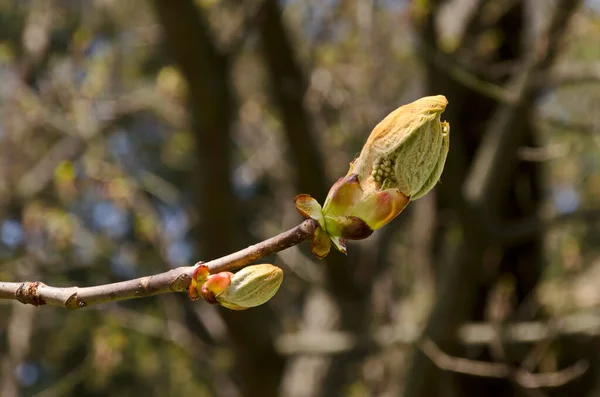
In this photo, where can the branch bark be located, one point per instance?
(176, 280)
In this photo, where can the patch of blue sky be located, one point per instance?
(179, 253)
(111, 219)
(11, 233)
(566, 199)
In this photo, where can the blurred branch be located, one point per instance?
(487, 181)
(75, 142)
(176, 280)
(428, 21)
(21, 325)
(497, 370)
(518, 231)
(572, 73)
(42, 173)
(483, 15)
(492, 162)
(463, 365)
(471, 334)
(169, 330)
(542, 153)
(570, 125)
(459, 72)
(251, 12)
(67, 383)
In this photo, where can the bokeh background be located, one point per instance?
(137, 136)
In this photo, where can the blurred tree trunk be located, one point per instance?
(482, 263)
(289, 86)
(212, 111)
(347, 280)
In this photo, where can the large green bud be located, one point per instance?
(406, 150)
(252, 286)
(402, 160)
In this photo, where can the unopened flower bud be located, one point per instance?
(402, 160)
(199, 276)
(412, 142)
(251, 286)
(215, 285)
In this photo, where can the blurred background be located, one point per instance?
(137, 136)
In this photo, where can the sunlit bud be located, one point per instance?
(379, 208)
(402, 160)
(199, 276)
(215, 285)
(251, 286)
(406, 150)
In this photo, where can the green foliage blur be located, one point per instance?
(100, 163)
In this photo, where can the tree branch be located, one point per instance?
(76, 141)
(573, 73)
(491, 166)
(498, 370)
(570, 125)
(176, 280)
(518, 231)
(469, 334)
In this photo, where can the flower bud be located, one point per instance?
(251, 286)
(199, 276)
(406, 150)
(402, 160)
(215, 285)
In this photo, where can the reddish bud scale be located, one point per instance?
(199, 275)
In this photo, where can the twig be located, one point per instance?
(463, 365)
(176, 280)
(498, 370)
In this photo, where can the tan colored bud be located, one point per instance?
(402, 160)
(251, 286)
(406, 150)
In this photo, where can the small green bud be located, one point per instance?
(251, 286)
